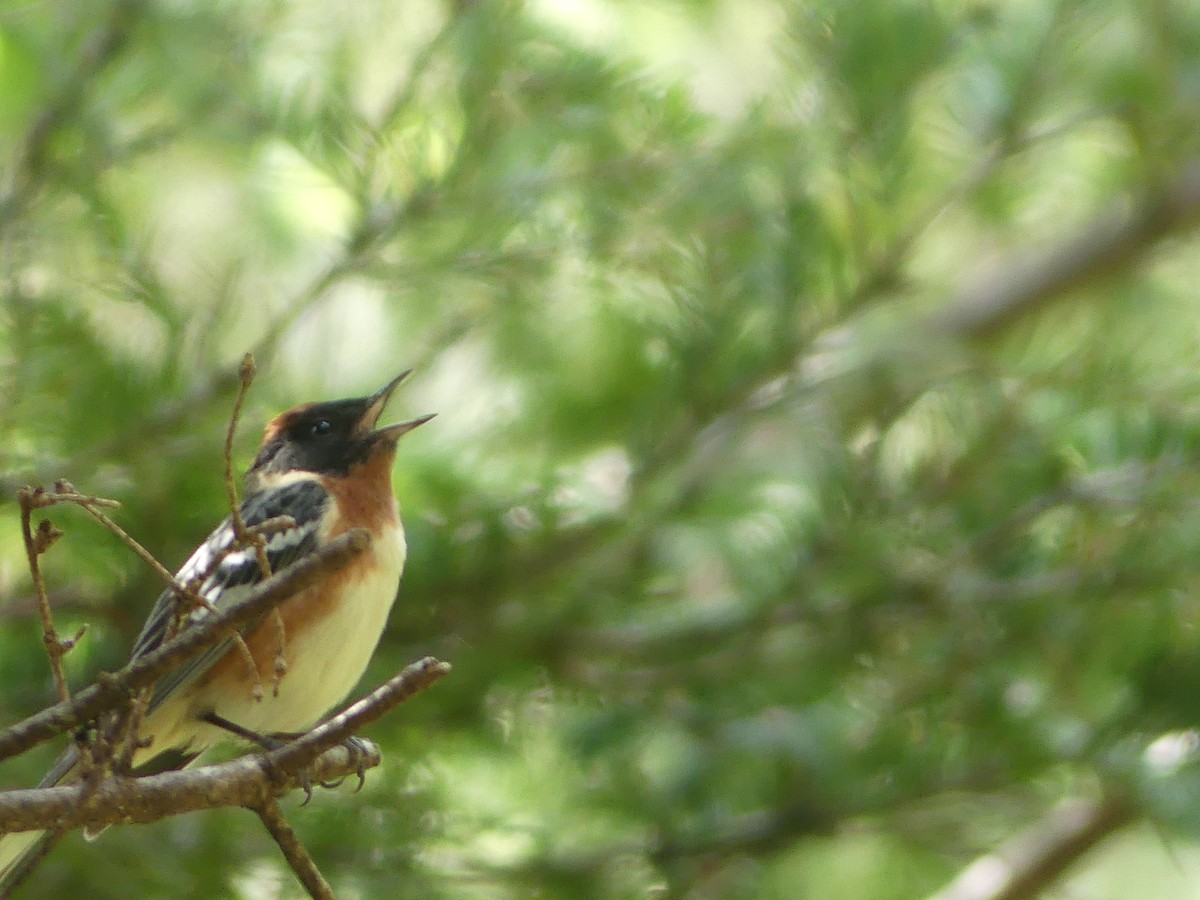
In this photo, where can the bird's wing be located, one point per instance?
(235, 575)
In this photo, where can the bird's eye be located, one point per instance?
(320, 427)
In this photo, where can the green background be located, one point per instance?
(760, 576)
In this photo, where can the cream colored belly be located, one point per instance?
(329, 658)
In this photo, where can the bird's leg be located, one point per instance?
(276, 739)
(263, 741)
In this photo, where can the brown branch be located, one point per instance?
(413, 679)
(111, 690)
(246, 781)
(1117, 240)
(289, 843)
(244, 536)
(321, 755)
(1028, 863)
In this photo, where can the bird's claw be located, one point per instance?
(357, 748)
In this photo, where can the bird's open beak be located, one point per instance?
(375, 406)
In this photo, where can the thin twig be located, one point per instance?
(304, 749)
(242, 536)
(110, 690)
(65, 492)
(131, 740)
(246, 374)
(293, 850)
(56, 648)
(1027, 864)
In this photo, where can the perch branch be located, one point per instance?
(320, 755)
(413, 679)
(119, 800)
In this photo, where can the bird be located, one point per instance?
(328, 468)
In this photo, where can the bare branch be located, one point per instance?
(413, 679)
(1030, 862)
(289, 843)
(111, 690)
(119, 800)
(1117, 240)
(321, 755)
(243, 536)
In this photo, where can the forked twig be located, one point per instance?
(35, 546)
(65, 492)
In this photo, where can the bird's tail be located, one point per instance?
(16, 848)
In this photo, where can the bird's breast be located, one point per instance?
(328, 635)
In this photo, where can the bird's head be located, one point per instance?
(330, 438)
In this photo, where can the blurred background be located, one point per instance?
(812, 507)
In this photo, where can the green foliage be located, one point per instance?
(757, 580)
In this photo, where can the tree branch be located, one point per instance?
(246, 781)
(1117, 240)
(413, 679)
(1028, 863)
(323, 754)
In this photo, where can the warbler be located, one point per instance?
(328, 468)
